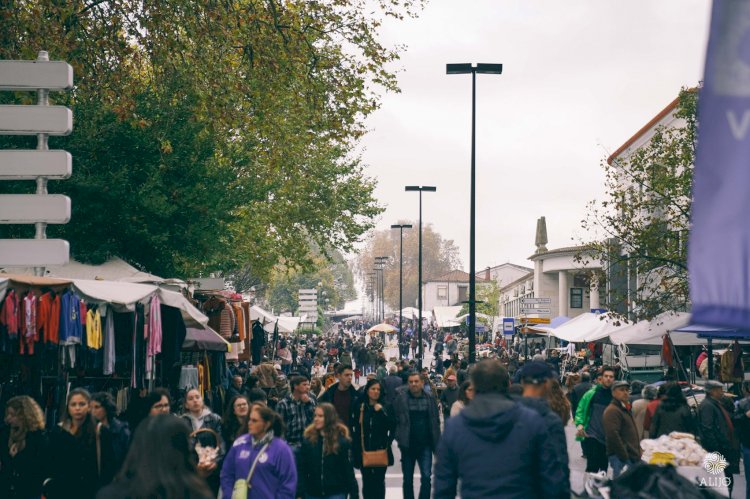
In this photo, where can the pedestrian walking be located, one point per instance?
(274, 473)
(391, 384)
(342, 395)
(537, 379)
(323, 467)
(449, 395)
(673, 414)
(648, 393)
(297, 411)
(374, 431)
(588, 420)
(741, 421)
(576, 394)
(159, 464)
(465, 394)
(622, 440)
(104, 411)
(81, 452)
(206, 432)
(417, 434)
(496, 425)
(234, 423)
(717, 429)
(23, 449)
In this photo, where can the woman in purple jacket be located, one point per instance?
(275, 473)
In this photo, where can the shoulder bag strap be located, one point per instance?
(361, 425)
(99, 448)
(255, 462)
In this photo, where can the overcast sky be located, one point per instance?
(580, 77)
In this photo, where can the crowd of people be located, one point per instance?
(299, 425)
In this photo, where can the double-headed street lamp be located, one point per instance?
(455, 69)
(371, 290)
(420, 189)
(380, 262)
(401, 228)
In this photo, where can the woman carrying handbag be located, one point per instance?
(373, 435)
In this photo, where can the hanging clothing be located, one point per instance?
(9, 314)
(109, 343)
(29, 333)
(154, 327)
(71, 325)
(48, 318)
(94, 329)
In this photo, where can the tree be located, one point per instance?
(642, 225)
(439, 256)
(210, 136)
(333, 278)
(489, 295)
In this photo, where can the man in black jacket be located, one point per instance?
(717, 430)
(343, 395)
(577, 392)
(417, 434)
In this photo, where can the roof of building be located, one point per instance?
(648, 126)
(455, 276)
(567, 249)
(520, 267)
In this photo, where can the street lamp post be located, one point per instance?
(380, 261)
(373, 276)
(453, 69)
(401, 228)
(420, 189)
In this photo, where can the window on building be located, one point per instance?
(576, 297)
(463, 292)
(442, 292)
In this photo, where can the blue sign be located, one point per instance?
(509, 325)
(598, 310)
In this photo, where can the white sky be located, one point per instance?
(580, 77)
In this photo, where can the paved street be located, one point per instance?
(394, 477)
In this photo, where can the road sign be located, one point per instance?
(508, 325)
(32, 120)
(18, 164)
(33, 252)
(33, 75)
(33, 208)
(537, 320)
(536, 301)
(541, 311)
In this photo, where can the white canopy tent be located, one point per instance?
(412, 313)
(652, 332)
(114, 269)
(587, 327)
(446, 316)
(497, 321)
(287, 325)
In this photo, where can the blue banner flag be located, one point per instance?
(719, 251)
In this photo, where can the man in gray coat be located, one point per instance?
(417, 434)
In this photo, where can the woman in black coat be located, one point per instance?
(323, 466)
(378, 425)
(673, 414)
(82, 457)
(23, 450)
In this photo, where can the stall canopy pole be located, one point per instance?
(710, 349)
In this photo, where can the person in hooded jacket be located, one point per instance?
(496, 425)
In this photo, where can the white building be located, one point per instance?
(447, 290)
(504, 274)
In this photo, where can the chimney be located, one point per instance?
(487, 274)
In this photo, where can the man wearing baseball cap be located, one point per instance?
(535, 377)
(717, 429)
(621, 433)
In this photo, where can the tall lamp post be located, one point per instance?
(372, 276)
(455, 69)
(420, 189)
(401, 228)
(381, 261)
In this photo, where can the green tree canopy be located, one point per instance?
(210, 136)
(642, 226)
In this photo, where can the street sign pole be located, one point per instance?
(42, 120)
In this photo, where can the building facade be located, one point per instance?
(448, 289)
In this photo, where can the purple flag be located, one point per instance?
(719, 251)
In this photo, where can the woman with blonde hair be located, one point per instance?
(323, 468)
(23, 446)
